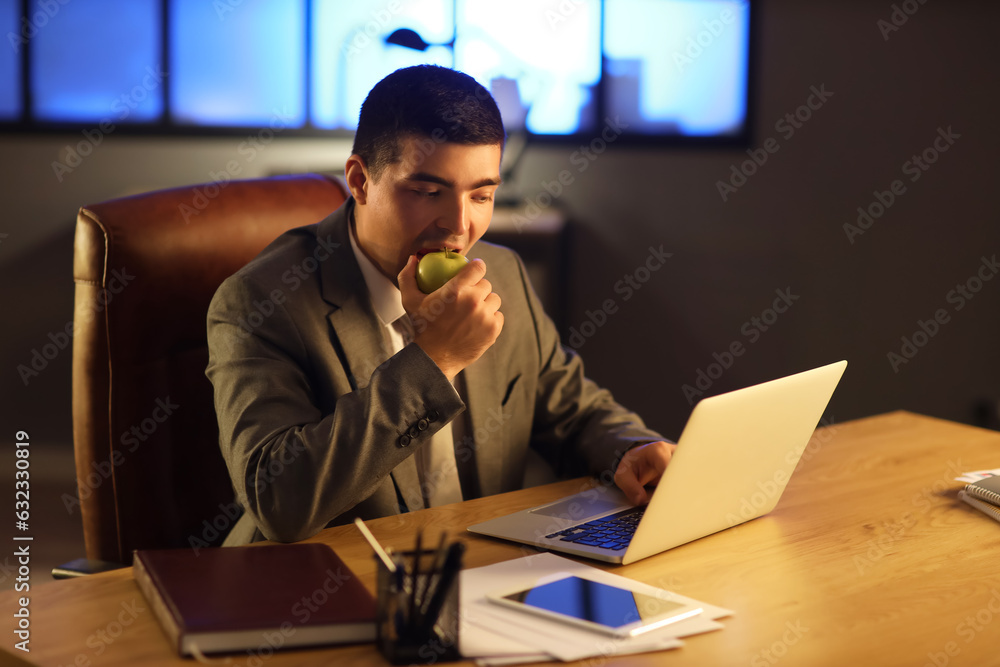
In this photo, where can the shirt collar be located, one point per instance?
(386, 297)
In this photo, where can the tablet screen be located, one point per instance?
(591, 601)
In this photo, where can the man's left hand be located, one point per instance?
(642, 466)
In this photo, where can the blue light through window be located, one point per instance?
(667, 68)
(677, 66)
(351, 53)
(238, 63)
(11, 99)
(540, 63)
(96, 61)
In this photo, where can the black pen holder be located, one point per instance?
(417, 611)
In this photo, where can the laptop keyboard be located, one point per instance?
(612, 532)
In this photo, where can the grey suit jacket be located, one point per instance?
(317, 426)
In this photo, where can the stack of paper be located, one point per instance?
(495, 635)
(976, 475)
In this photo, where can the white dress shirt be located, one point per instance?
(436, 463)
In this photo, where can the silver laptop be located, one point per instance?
(732, 464)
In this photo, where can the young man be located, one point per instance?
(360, 395)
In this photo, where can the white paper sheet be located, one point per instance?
(977, 475)
(489, 630)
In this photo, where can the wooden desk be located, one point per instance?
(869, 559)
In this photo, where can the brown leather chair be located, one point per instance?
(148, 466)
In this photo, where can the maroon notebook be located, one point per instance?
(254, 598)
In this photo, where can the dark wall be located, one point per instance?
(883, 101)
(857, 295)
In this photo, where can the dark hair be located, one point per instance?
(424, 101)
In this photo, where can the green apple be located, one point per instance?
(437, 268)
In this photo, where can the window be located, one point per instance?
(238, 64)
(11, 94)
(668, 69)
(109, 72)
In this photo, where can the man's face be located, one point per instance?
(437, 195)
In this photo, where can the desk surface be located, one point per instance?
(868, 559)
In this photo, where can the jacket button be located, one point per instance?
(423, 424)
(433, 415)
(404, 440)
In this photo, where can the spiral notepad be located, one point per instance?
(989, 510)
(984, 495)
(987, 489)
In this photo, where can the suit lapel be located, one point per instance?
(357, 337)
(356, 334)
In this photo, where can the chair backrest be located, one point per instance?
(148, 465)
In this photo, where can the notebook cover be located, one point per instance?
(229, 598)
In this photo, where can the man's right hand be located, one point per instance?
(457, 323)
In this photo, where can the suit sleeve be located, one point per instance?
(578, 426)
(294, 465)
